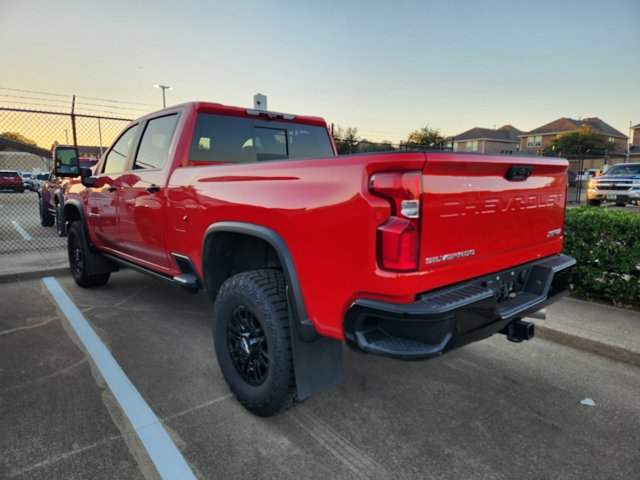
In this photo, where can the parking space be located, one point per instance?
(20, 229)
(490, 410)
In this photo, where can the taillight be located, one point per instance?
(399, 237)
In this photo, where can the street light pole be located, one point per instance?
(164, 87)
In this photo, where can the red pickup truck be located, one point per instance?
(403, 254)
(51, 195)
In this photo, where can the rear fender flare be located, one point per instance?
(318, 361)
(279, 245)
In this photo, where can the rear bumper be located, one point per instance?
(440, 321)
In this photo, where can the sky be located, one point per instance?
(384, 67)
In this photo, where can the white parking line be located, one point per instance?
(21, 230)
(163, 452)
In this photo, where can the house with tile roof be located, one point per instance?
(535, 141)
(634, 148)
(504, 140)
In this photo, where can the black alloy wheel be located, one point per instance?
(252, 339)
(248, 346)
(79, 254)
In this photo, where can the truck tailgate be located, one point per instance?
(480, 216)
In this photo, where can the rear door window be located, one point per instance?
(155, 143)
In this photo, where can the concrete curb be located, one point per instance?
(33, 274)
(613, 352)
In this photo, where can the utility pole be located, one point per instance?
(628, 156)
(164, 87)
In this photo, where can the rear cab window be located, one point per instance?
(229, 139)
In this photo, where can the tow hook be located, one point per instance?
(519, 330)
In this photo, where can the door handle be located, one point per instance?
(112, 188)
(153, 188)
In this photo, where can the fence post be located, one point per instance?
(100, 135)
(73, 121)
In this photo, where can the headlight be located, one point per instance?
(592, 184)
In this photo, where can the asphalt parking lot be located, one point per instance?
(493, 410)
(20, 229)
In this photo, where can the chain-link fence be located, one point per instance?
(26, 141)
(28, 136)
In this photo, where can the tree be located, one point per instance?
(582, 141)
(18, 137)
(426, 137)
(346, 139)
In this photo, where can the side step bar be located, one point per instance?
(188, 280)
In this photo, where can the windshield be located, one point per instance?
(625, 169)
(219, 138)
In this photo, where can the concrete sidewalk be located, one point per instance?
(593, 327)
(22, 266)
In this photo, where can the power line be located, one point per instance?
(109, 106)
(34, 104)
(110, 112)
(36, 98)
(80, 106)
(38, 93)
(77, 96)
(118, 101)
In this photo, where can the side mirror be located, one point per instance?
(86, 178)
(65, 160)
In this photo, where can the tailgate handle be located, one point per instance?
(518, 173)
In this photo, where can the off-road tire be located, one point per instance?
(78, 251)
(46, 218)
(621, 204)
(60, 226)
(594, 203)
(258, 296)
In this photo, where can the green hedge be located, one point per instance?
(606, 244)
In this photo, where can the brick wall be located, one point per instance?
(546, 140)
